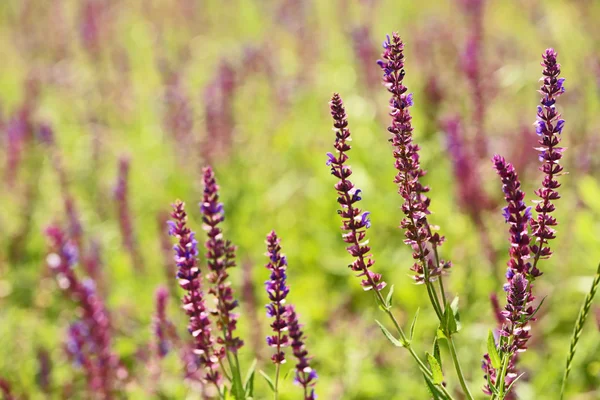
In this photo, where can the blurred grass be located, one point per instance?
(273, 175)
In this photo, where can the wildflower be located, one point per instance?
(160, 321)
(94, 328)
(517, 215)
(277, 291)
(220, 256)
(355, 221)
(549, 126)
(121, 194)
(186, 253)
(305, 375)
(416, 205)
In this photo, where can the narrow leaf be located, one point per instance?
(436, 351)
(413, 324)
(436, 369)
(432, 389)
(249, 381)
(388, 335)
(454, 307)
(492, 351)
(268, 379)
(388, 299)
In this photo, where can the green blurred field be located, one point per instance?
(273, 176)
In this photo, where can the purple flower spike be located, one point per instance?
(305, 375)
(277, 290)
(516, 215)
(418, 232)
(160, 321)
(549, 128)
(220, 256)
(121, 194)
(355, 221)
(194, 303)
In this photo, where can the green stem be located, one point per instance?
(277, 368)
(458, 368)
(406, 343)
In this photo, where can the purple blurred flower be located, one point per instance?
(219, 113)
(305, 375)
(186, 253)
(160, 321)
(355, 221)
(416, 205)
(121, 194)
(220, 256)
(549, 127)
(277, 290)
(101, 370)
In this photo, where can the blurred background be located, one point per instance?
(110, 108)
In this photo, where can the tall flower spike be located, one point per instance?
(186, 253)
(277, 290)
(95, 323)
(549, 126)
(517, 215)
(305, 375)
(355, 221)
(121, 194)
(416, 205)
(160, 321)
(220, 256)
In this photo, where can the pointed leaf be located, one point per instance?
(454, 307)
(249, 381)
(436, 351)
(268, 379)
(440, 334)
(432, 389)
(413, 324)
(436, 369)
(492, 351)
(388, 335)
(388, 299)
(535, 311)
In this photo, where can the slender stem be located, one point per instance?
(277, 368)
(221, 394)
(228, 376)
(458, 368)
(407, 345)
(237, 376)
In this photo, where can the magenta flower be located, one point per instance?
(186, 253)
(277, 290)
(416, 204)
(355, 221)
(220, 256)
(549, 126)
(305, 375)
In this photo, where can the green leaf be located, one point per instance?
(388, 335)
(432, 389)
(288, 374)
(492, 351)
(413, 324)
(525, 320)
(436, 369)
(449, 320)
(440, 334)
(436, 351)
(388, 299)
(454, 307)
(249, 381)
(268, 379)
